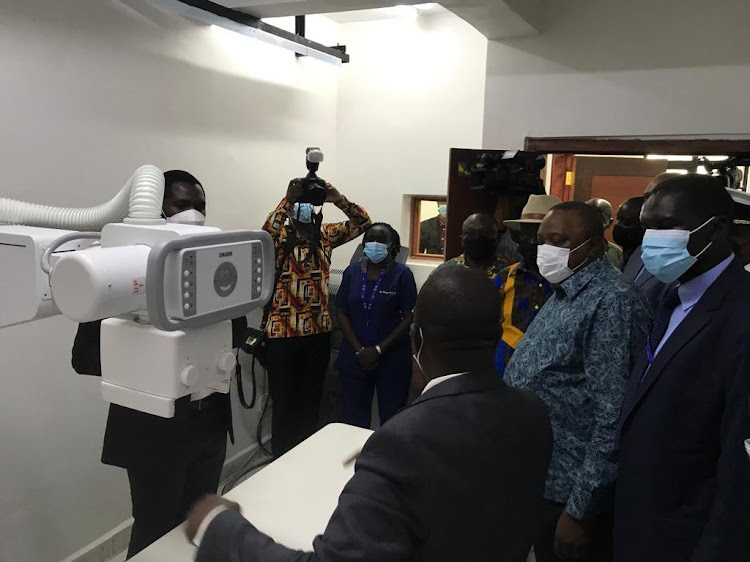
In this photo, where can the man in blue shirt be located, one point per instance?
(576, 356)
(683, 480)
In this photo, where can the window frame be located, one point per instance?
(415, 227)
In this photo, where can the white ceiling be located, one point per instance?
(383, 13)
(497, 19)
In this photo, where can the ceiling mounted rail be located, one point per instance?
(234, 20)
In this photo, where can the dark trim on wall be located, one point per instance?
(636, 146)
(248, 20)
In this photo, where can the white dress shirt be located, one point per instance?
(438, 380)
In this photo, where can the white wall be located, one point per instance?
(91, 89)
(608, 67)
(414, 90)
(94, 88)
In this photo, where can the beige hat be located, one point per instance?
(534, 211)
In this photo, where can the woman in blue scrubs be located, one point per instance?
(375, 304)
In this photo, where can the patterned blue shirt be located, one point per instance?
(576, 356)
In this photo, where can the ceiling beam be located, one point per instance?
(211, 13)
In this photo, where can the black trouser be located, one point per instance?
(544, 541)
(162, 496)
(296, 371)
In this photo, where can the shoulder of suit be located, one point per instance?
(501, 390)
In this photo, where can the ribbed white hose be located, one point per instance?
(140, 201)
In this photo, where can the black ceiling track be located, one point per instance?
(248, 20)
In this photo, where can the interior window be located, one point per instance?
(428, 222)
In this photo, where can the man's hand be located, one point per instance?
(333, 195)
(295, 190)
(368, 358)
(201, 509)
(572, 538)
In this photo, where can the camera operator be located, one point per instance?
(299, 323)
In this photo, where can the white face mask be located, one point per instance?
(191, 216)
(552, 262)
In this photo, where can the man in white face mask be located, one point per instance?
(170, 462)
(576, 356)
(184, 199)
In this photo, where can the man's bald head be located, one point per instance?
(657, 181)
(604, 208)
(480, 222)
(479, 240)
(456, 322)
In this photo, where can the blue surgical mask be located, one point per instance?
(376, 252)
(303, 212)
(665, 254)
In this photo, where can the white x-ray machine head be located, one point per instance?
(167, 293)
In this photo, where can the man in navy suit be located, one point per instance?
(683, 483)
(456, 476)
(634, 270)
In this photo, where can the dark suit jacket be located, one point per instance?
(458, 475)
(429, 237)
(683, 483)
(647, 283)
(134, 439)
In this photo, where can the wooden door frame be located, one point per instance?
(637, 145)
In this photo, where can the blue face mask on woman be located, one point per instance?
(665, 254)
(376, 252)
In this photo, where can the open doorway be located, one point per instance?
(617, 178)
(616, 169)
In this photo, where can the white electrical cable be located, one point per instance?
(46, 266)
(139, 201)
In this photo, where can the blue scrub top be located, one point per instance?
(396, 298)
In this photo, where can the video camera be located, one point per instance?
(728, 171)
(508, 172)
(313, 186)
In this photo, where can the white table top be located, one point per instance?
(291, 500)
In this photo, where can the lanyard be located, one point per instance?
(649, 352)
(367, 305)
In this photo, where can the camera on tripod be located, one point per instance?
(314, 188)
